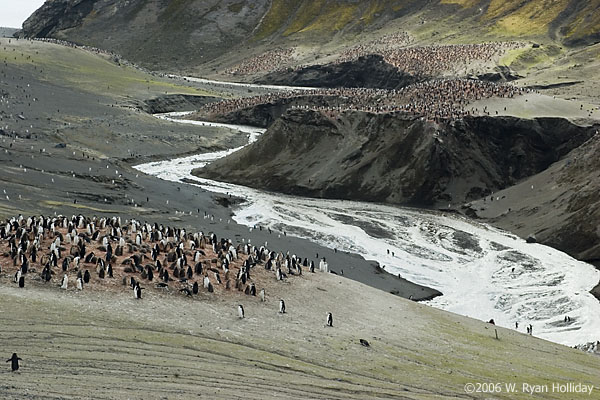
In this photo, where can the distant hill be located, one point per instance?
(7, 32)
(183, 33)
(157, 34)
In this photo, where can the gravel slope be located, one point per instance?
(89, 344)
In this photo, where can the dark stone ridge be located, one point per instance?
(369, 72)
(175, 102)
(396, 158)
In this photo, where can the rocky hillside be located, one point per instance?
(185, 33)
(396, 159)
(369, 72)
(158, 34)
(571, 21)
(560, 206)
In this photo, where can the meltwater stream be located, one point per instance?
(482, 271)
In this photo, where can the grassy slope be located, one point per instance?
(87, 71)
(320, 16)
(510, 19)
(168, 345)
(586, 22)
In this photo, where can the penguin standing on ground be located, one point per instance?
(65, 282)
(46, 274)
(137, 291)
(86, 276)
(262, 295)
(79, 284)
(109, 252)
(240, 311)
(14, 362)
(329, 319)
(281, 306)
(198, 268)
(22, 281)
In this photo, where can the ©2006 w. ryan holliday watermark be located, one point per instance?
(529, 388)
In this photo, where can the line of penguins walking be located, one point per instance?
(140, 247)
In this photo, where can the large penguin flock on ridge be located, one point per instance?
(94, 251)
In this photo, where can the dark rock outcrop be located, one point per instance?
(264, 115)
(502, 73)
(369, 72)
(554, 85)
(397, 159)
(175, 102)
(58, 15)
(596, 291)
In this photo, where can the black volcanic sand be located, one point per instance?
(73, 150)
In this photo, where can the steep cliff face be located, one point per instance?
(159, 34)
(397, 159)
(582, 174)
(56, 16)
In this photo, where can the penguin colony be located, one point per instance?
(79, 252)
